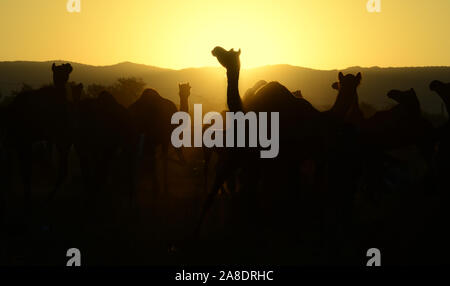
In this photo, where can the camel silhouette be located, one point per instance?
(208, 152)
(184, 93)
(306, 131)
(103, 127)
(347, 103)
(443, 90)
(400, 126)
(151, 116)
(442, 137)
(386, 135)
(37, 115)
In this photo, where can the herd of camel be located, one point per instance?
(329, 150)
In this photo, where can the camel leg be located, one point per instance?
(104, 166)
(225, 168)
(207, 157)
(180, 156)
(63, 150)
(165, 151)
(6, 173)
(132, 170)
(150, 158)
(25, 161)
(85, 173)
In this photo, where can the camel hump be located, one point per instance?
(274, 89)
(249, 95)
(150, 95)
(275, 96)
(171, 106)
(106, 96)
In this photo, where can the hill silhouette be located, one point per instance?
(208, 83)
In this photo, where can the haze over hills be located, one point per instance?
(209, 83)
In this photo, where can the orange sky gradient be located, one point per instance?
(321, 34)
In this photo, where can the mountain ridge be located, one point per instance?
(209, 83)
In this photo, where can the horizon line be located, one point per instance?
(202, 67)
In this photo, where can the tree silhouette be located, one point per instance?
(93, 90)
(125, 90)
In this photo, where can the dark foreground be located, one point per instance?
(409, 228)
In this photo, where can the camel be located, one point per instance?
(102, 128)
(443, 90)
(347, 109)
(151, 116)
(306, 131)
(442, 135)
(248, 98)
(184, 93)
(42, 114)
(400, 126)
(208, 152)
(387, 136)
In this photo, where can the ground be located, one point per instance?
(159, 228)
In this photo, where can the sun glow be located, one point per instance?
(324, 34)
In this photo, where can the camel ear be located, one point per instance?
(69, 68)
(412, 91)
(53, 67)
(335, 85)
(358, 77)
(239, 52)
(80, 85)
(341, 76)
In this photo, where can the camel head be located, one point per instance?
(61, 74)
(407, 97)
(228, 59)
(443, 89)
(347, 83)
(297, 93)
(335, 86)
(185, 90)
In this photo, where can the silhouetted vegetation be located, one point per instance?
(125, 90)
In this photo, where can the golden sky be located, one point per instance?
(322, 34)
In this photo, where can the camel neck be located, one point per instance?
(61, 89)
(344, 103)
(184, 104)
(446, 101)
(233, 97)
